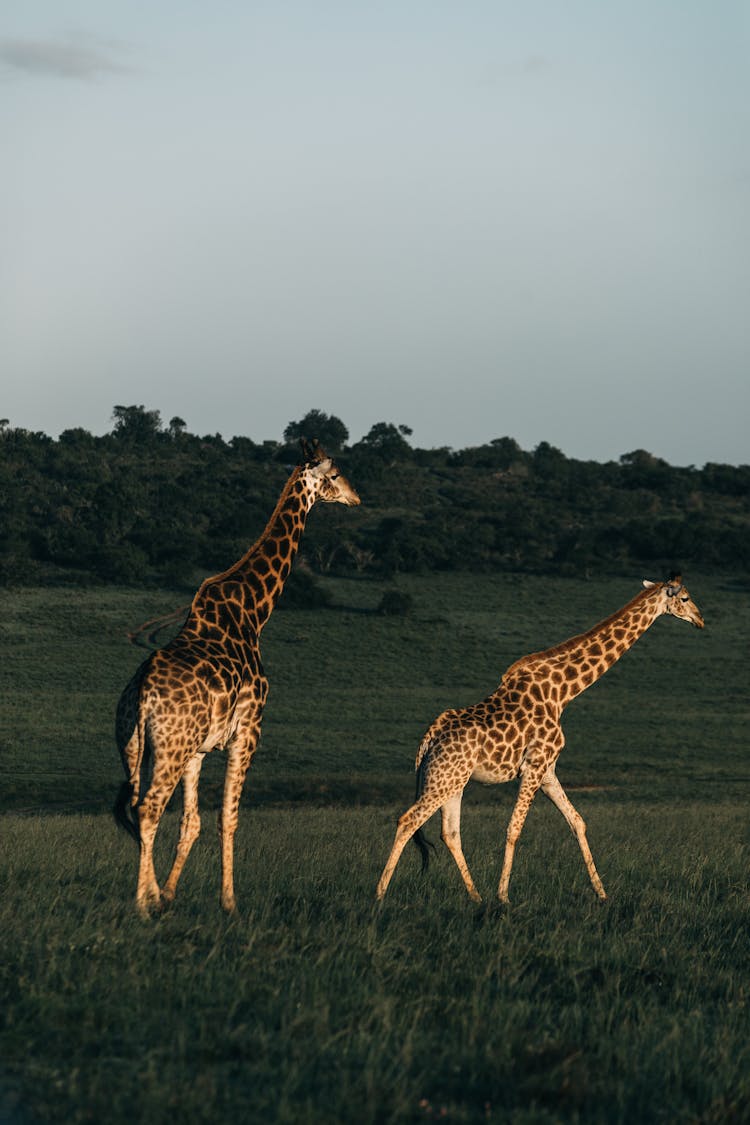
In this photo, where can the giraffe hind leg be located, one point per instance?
(451, 837)
(149, 813)
(408, 824)
(440, 778)
(190, 826)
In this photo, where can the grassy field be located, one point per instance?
(352, 691)
(314, 1005)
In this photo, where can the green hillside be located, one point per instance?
(353, 689)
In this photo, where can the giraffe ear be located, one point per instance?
(311, 451)
(648, 584)
(674, 583)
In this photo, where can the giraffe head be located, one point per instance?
(677, 600)
(324, 478)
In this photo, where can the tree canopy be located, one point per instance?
(329, 430)
(146, 502)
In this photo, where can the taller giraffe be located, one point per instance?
(206, 688)
(516, 731)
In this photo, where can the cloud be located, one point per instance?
(59, 60)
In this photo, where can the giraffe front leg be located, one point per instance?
(530, 782)
(190, 826)
(552, 788)
(239, 758)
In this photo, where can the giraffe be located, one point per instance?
(206, 688)
(516, 732)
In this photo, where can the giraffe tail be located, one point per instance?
(134, 751)
(419, 837)
(123, 811)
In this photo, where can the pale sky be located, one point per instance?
(476, 218)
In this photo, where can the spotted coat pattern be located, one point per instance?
(206, 688)
(516, 732)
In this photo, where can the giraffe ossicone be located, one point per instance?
(206, 688)
(516, 732)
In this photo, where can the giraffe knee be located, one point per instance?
(191, 826)
(228, 824)
(577, 825)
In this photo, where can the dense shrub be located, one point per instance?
(146, 502)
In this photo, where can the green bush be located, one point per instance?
(396, 603)
(301, 591)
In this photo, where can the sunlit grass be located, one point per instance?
(315, 1004)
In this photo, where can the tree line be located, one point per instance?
(149, 501)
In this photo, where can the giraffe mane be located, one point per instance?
(224, 574)
(571, 643)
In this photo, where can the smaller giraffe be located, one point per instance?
(516, 731)
(206, 689)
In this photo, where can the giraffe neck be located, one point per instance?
(577, 663)
(242, 598)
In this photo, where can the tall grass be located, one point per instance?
(315, 1005)
(312, 1004)
(352, 691)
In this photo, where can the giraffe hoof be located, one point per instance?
(150, 903)
(147, 910)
